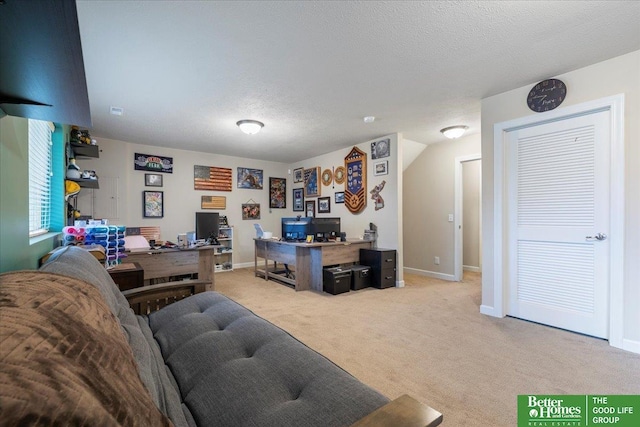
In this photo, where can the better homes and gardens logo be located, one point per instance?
(578, 410)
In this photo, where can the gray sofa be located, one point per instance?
(206, 360)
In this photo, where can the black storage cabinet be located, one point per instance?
(360, 277)
(336, 280)
(383, 266)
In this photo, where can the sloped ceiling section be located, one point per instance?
(42, 71)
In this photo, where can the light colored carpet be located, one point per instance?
(430, 341)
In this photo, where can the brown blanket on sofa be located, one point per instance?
(63, 357)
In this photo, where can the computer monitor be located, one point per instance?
(324, 229)
(296, 228)
(207, 224)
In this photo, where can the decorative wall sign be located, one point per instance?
(251, 211)
(250, 178)
(339, 175)
(213, 202)
(310, 208)
(212, 178)
(381, 168)
(298, 175)
(312, 182)
(146, 162)
(546, 95)
(324, 204)
(152, 204)
(277, 193)
(375, 195)
(153, 180)
(327, 177)
(380, 149)
(355, 197)
(298, 200)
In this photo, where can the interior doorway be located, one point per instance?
(467, 215)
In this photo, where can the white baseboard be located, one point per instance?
(434, 274)
(631, 345)
(471, 268)
(243, 265)
(489, 311)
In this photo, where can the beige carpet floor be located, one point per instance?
(430, 341)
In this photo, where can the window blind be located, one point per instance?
(40, 172)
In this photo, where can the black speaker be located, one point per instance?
(343, 237)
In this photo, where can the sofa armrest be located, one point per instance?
(404, 411)
(148, 299)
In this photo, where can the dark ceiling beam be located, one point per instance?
(41, 66)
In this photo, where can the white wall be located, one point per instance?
(429, 190)
(607, 78)
(181, 200)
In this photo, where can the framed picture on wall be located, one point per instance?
(339, 197)
(298, 199)
(298, 175)
(381, 168)
(277, 193)
(153, 180)
(153, 204)
(310, 208)
(324, 204)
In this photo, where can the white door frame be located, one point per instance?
(615, 106)
(457, 215)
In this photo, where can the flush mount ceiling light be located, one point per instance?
(250, 127)
(453, 132)
(369, 119)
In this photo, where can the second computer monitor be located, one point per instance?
(324, 229)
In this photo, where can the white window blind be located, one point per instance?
(40, 171)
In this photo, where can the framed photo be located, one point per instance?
(298, 175)
(312, 182)
(339, 197)
(277, 193)
(153, 204)
(309, 238)
(324, 204)
(310, 208)
(380, 149)
(250, 178)
(153, 180)
(251, 211)
(381, 168)
(298, 198)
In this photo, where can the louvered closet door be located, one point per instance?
(558, 201)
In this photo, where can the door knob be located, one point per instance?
(599, 237)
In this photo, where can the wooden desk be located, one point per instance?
(173, 262)
(307, 259)
(127, 275)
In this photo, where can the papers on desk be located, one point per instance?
(133, 243)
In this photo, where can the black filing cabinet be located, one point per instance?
(383, 266)
(336, 280)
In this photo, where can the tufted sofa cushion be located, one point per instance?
(234, 368)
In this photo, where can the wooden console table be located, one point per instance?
(306, 258)
(159, 263)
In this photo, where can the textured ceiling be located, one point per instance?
(186, 71)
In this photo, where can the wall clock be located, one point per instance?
(546, 95)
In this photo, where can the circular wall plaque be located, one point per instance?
(338, 175)
(327, 176)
